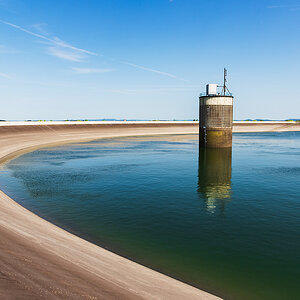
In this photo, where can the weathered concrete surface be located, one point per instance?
(265, 126)
(38, 260)
(215, 138)
(216, 117)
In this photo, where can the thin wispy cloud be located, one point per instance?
(63, 50)
(56, 41)
(63, 44)
(52, 84)
(91, 70)
(62, 53)
(290, 7)
(7, 50)
(150, 70)
(4, 75)
(153, 70)
(40, 27)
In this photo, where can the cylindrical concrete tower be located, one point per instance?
(216, 114)
(215, 126)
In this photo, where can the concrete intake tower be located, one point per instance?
(215, 117)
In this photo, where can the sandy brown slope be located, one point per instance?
(31, 272)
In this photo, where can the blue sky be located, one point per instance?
(147, 59)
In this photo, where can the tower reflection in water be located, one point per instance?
(214, 177)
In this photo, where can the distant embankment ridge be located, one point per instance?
(20, 137)
(238, 126)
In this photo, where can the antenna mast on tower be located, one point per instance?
(224, 88)
(224, 84)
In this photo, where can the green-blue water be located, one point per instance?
(228, 223)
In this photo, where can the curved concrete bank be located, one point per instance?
(39, 260)
(265, 126)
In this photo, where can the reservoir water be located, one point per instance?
(225, 221)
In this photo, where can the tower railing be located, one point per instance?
(218, 94)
